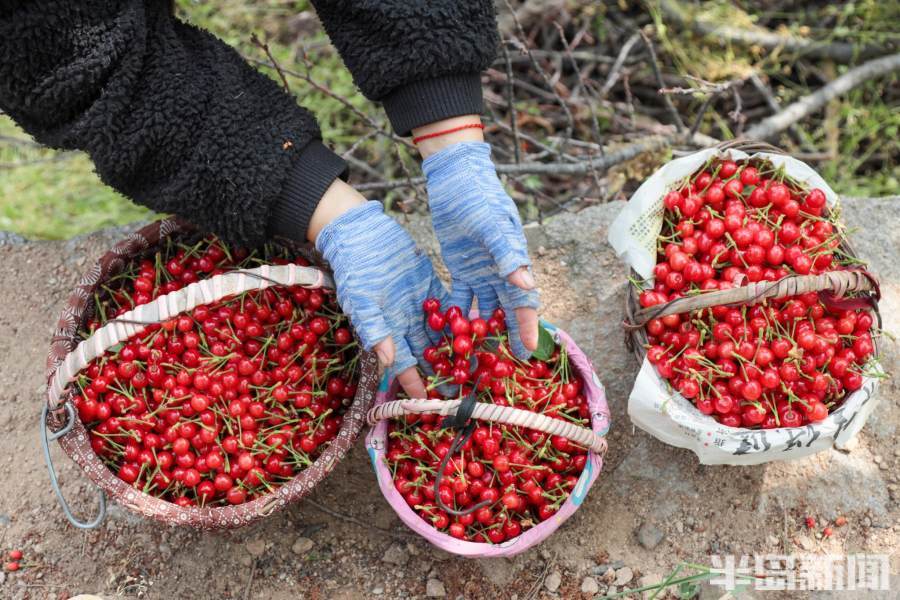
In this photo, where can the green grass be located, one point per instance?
(868, 144)
(54, 195)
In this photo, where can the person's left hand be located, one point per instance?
(481, 238)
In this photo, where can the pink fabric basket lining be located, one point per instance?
(600, 421)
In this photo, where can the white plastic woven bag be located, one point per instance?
(664, 413)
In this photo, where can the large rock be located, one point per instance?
(720, 509)
(9, 239)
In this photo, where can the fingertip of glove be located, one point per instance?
(519, 350)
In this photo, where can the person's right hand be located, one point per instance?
(382, 279)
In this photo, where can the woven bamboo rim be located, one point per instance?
(839, 283)
(163, 308)
(494, 413)
(833, 285)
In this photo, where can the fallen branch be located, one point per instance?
(600, 163)
(770, 126)
(842, 52)
(534, 141)
(773, 103)
(703, 87)
(613, 76)
(649, 144)
(363, 166)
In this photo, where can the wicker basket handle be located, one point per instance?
(831, 286)
(495, 413)
(169, 305)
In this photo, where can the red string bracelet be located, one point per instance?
(428, 136)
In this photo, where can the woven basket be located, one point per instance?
(832, 286)
(67, 357)
(592, 438)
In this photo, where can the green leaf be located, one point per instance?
(545, 346)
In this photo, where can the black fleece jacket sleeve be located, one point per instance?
(421, 58)
(176, 120)
(171, 116)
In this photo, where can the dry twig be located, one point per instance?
(350, 519)
(700, 113)
(265, 48)
(523, 46)
(332, 94)
(703, 87)
(595, 124)
(511, 100)
(613, 76)
(657, 72)
(249, 587)
(778, 122)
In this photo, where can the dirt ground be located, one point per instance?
(653, 506)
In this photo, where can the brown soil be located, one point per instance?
(700, 510)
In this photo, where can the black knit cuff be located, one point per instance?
(310, 176)
(424, 102)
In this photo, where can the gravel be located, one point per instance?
(589, 586)
(396, 555)
(553, 581)
(302, 545)
(434, 588)
(649, 536)
(624, 575)
(604, 567)
(255, 547)
(9, 238)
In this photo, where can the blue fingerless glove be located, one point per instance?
(480, 233)
(382, 279)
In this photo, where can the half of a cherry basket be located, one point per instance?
(755, 321)
(503, 450)
(201, 384)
